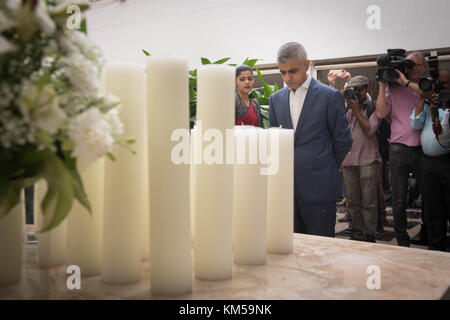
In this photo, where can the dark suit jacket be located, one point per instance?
(321, 141)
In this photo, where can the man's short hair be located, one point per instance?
(292, 50)
(418, 54)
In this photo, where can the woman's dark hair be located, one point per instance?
(242, 68)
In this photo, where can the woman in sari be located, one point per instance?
(248, 111)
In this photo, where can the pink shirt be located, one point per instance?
(401, 101)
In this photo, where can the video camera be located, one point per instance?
(434, 84)
(387, 63)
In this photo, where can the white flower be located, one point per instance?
(43, 19)
(91, 134)
(112, 116)
(83, 74)
(110, 101)
(77, 42)
(49, 118)
(5, 22)
(6, 46)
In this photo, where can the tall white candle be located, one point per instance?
(11, 244)
(168, 110)
(145, 219)
(249, 199)
(214, 182)
(52, 245)
(192, 182)
(280, 196)
(123, 179)
(84, 229)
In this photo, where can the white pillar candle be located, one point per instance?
(214, 182)
(123, 179)
(145, 224)
(249, 199)
(280, 196)
(168, 110)
(52, 245)
(192, 182)
(11, 244)
(84, 229)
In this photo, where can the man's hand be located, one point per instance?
(352, 104)
(345, 75)
(331, 78)
(401, 79)
(435, 104)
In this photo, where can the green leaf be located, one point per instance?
(59, 197)
(191, 94)
(205, 61)
(250, 62)
(44, 138)
(267, 89)
(111, 156)
(146, 52)
(194, 73)
(83, 26)
(232, 64)
(77, 183)
(275, 87)
(221, 61)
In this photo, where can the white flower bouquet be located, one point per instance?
(53, 117)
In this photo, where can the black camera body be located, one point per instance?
(434, 84)
(387, 63)
(352, 93)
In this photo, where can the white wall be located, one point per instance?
(256, 28)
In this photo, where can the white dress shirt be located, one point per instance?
(296, 101)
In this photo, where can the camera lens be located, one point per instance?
(425, 84)
(349, 93)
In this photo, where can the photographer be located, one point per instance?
(361, 163)
(435, 163)
(400, 99)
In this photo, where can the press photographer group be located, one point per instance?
(406, 128)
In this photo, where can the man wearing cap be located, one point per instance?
(361, 163)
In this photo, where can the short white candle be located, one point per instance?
(84, 229)
(52, 245)
(214, 182)
(249, 199)
(170, 243)
(280, 196)
(123, 179)
(11, 244)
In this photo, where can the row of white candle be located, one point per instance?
(114, 243)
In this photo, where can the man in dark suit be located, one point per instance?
(322, 139)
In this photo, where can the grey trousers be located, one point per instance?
(361, 185)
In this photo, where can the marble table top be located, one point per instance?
(319, 268)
